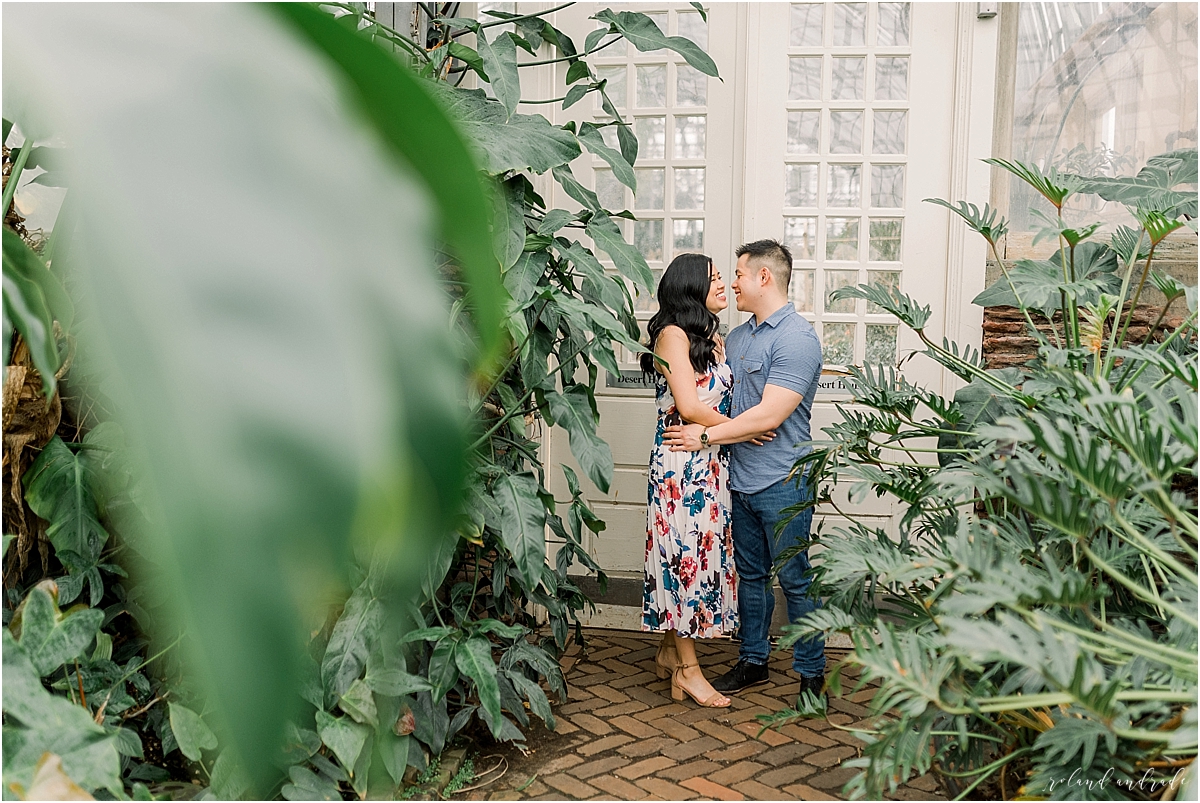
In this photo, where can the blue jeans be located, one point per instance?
(755, 548)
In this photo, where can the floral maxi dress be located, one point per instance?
(691, 585)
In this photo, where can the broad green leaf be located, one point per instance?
(228, 779)
(191, 733)
(554, 220)
(645, 35)
(499, 628)
(443, 671)
(307, 785)
(536, 697)
(1153, 188)
(573, 412)
(21, 260)
(359, 703)
(470, 57)
(521, 279)
(574, 95)
(349, 641)
(589, 135)
(50, 782)
(427, 634)
(573, 188)
(58, 488)
(408, 119)
(343, 736)
(519, 142)
(300, 743)
(577, 72)
(500, 61)
(48, 637)
(25, 309)
(474, 659)
(396, 682)
(522, 523)
(51, 724)
(509, 222)
(628, 142)
(629, 260)
(212, 357)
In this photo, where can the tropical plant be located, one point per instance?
(253, 546)
(1032, 625)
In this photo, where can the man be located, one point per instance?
(776, 361)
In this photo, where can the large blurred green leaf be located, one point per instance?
(406, 117)
(522, 142)
(275, 335)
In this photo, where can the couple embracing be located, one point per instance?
(711, 539)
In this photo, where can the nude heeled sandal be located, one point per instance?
(678, 689)
(665, 668)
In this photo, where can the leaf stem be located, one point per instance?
(524, 16)
(1137, 294)
(576, 57)
(10, 189)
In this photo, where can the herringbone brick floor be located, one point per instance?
(621, 737)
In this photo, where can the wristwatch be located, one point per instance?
(704, 437)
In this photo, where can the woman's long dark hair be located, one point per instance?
(682, 293)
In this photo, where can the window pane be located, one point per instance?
(885, 240)
(848, 78)
(619, 49)
(837, 343)
(849, 23)
(800, 235)
(804, 78)
(845, 185)
(693, 27)
(689, 187)
(800, 185)
(893, 24)
(881, 344)
(648, 238)
(804, 132)
(889, 279)
(651, 183)
(610, 191)
(609, 134)
(845, 132)
(841, 238)
(690, 133)
(660, 19)
(890, 129)
(689, 235)
(800, 291)
(808, 24)
(652, 86)
(651, 133)
(616, 87)
(691, 86)
(891, 79)
(887, 186)
(835, 279)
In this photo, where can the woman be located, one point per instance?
(691, 586)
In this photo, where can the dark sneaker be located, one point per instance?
(815, 686)
(743, 675)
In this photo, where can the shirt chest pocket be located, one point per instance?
(753, 367)
(754, 376)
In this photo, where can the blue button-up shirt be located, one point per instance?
(783, 350)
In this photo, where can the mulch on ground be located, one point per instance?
(621, 737)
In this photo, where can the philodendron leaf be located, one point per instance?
(308, 785)
(343, 736)
(629, 260)
(474, 659)
(191, 733)
(349, 642)
(58, 488)
(645, 35)
(50, 638)
(359, 703)
(522, 523)
(509, 222)
(589, 135)
(39, 722)
(500, 61)
(573, 412)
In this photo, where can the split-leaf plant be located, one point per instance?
(1032, 624)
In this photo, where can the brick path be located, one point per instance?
(621, 737)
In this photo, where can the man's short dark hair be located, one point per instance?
(774, 255)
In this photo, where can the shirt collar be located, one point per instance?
(777, 316)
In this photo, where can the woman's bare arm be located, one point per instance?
(673, 346)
